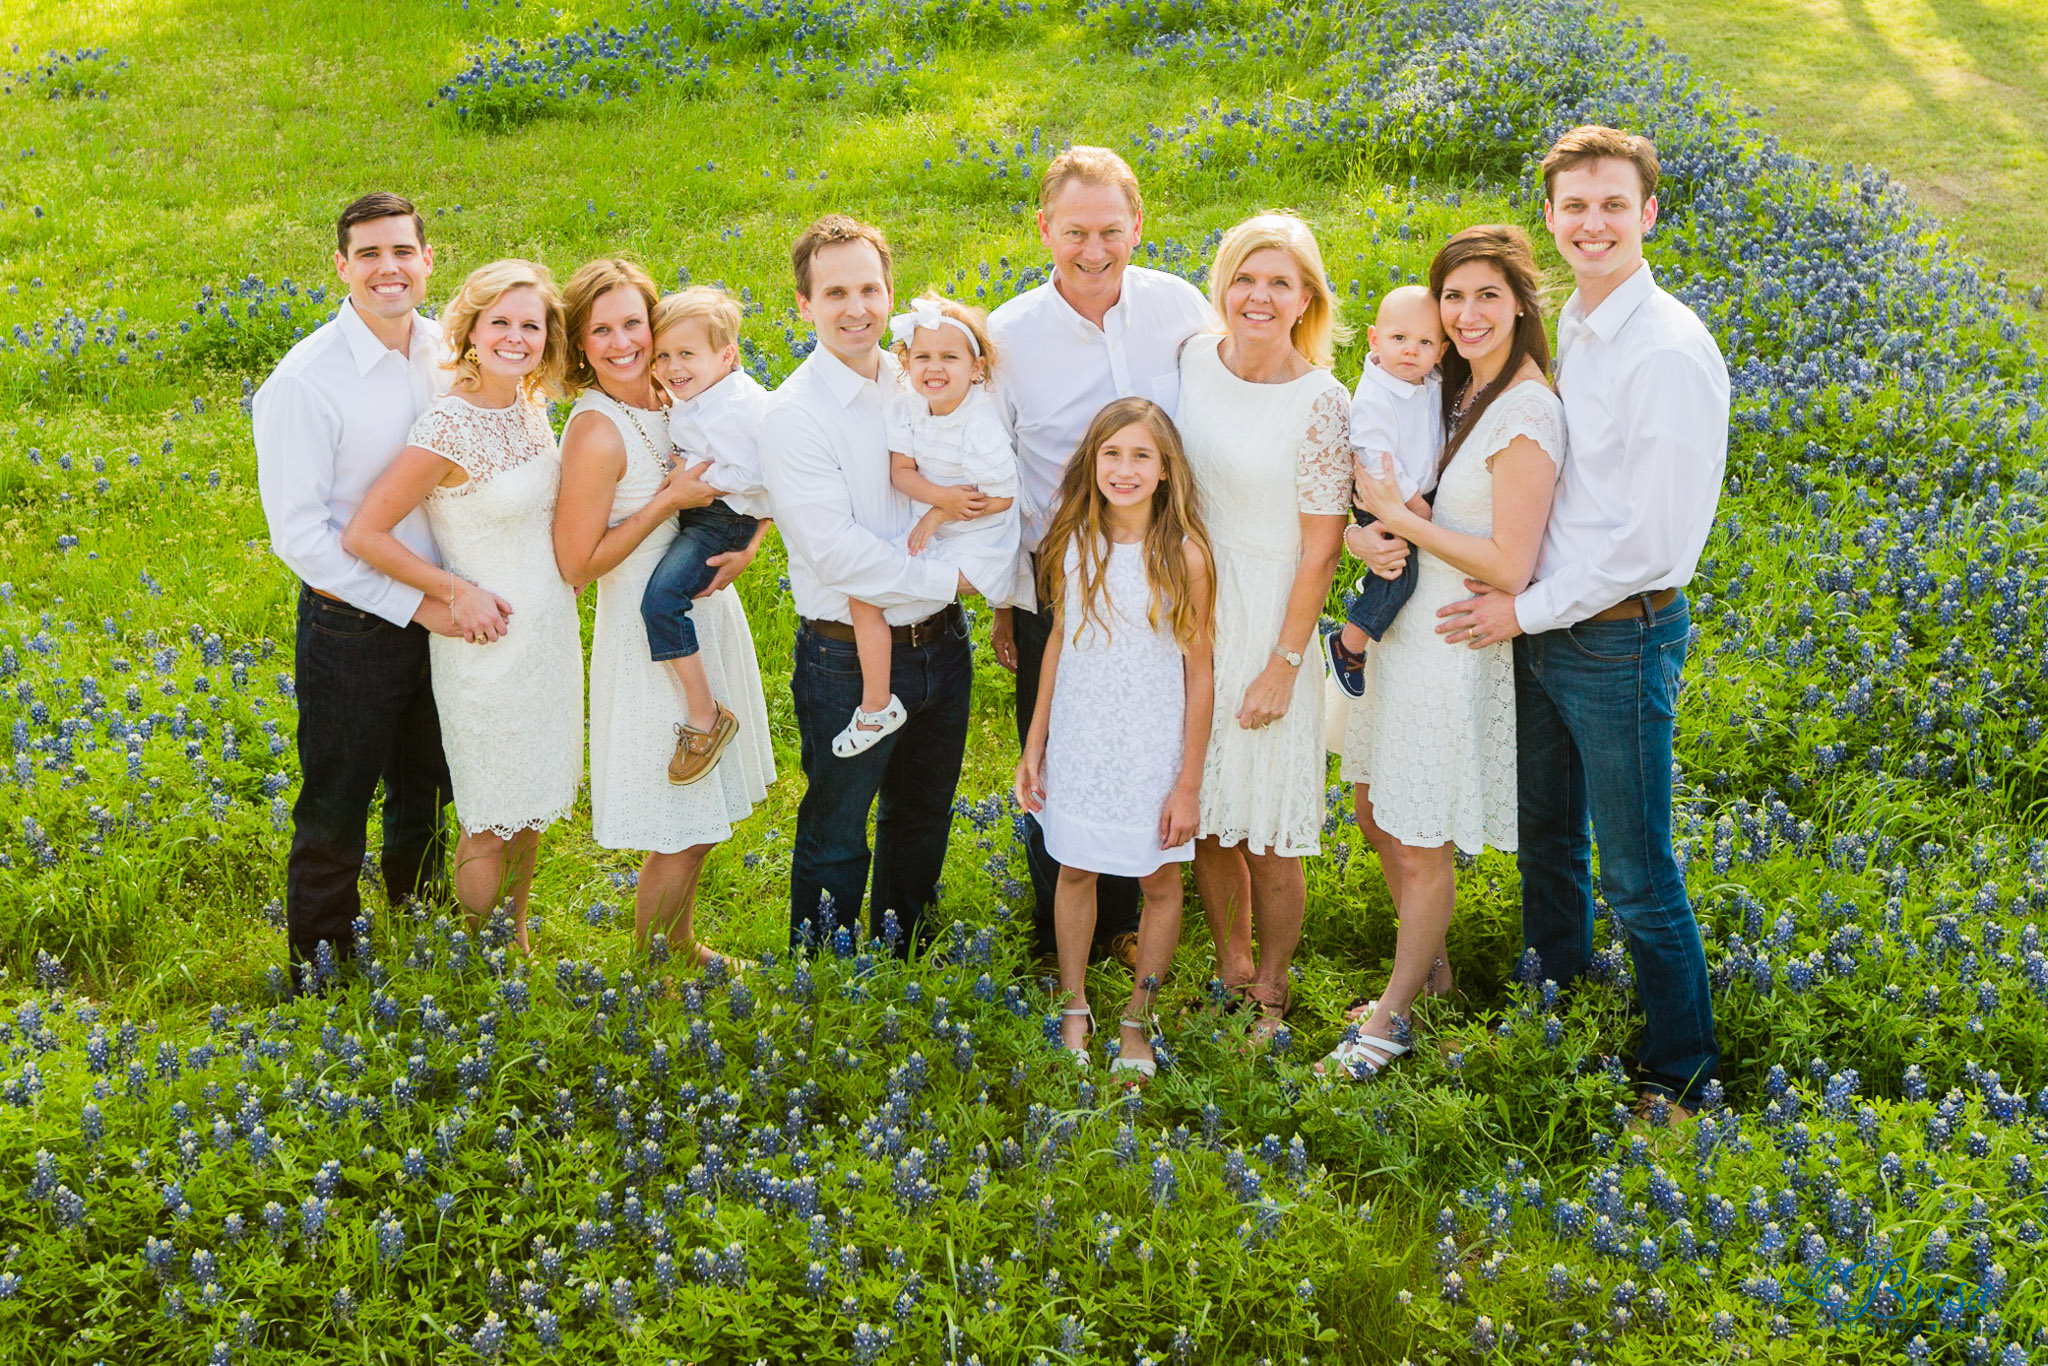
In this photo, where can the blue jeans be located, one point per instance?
(366, 714)
(682, 574)
(1376, 600)
(1594, 709)
(913, 770)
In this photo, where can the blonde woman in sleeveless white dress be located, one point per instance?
(617, 514)
(1267, 431)
(509, 688)
(1431, 744)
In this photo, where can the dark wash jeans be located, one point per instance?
(1117, 899)
(913, 771)
(682, 574)
(366, 713)
(1377, 601)
(1594, 709)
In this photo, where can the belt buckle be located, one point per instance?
(919, 633)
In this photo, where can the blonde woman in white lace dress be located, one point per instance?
(617, 514)
(1431, 744)
(509, 687)
(1267, 430)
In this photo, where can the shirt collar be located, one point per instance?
(363, 347)
(719, 396)
(1116, 313)
(1394, 384)
(842, 383)
(1617, 308)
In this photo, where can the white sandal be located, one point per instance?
(1363, 1055)
(1081, 1053)
(1147, 1068)
(857, 738)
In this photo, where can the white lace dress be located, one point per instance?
(1113, 741)
(1434, 734)
(635, 705)
(511, 709)
(1262, 455)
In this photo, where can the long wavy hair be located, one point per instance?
(485, 286)
(1082, 520)
(1506, 248)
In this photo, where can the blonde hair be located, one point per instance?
(718, 310)
(485, 286)
(591, 282)
(1081, 519)
(1320, 331)
(1090, 166)
(975, 320)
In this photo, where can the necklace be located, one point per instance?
(633, 413)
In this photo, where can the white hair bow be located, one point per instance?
(927, 313)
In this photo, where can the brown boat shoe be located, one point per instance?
(697, 751)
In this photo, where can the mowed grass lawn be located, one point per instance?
(1951, 96)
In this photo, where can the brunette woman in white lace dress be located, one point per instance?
(617, 514)
(482, 461)
(1431, 744)
(1267, 429)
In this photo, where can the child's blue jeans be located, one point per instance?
(682, 574)
(1372, 609)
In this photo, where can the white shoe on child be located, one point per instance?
(858, 737)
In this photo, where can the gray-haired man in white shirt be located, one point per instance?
(326, 423)
(1100, 329)
(1603, 629)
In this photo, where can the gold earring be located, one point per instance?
(470, 355)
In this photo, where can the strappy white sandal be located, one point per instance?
(1146, 1068)
(858, 737)
(1081, 1053)
(1363, 1055)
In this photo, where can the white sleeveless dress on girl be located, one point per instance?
(635, 705)
(1262, 455)
(1434, 734)
(969, 445)
(511, 709)
(1113, 741)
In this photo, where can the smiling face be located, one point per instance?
(1408, 335)
(938, 365)
(385, 266)
(1265, 298)
(1478, 309)
(1598, 215)
(849, 302)
(616, 339)
(511, 335)
(1090, 232)
(685, 361)
(1128, 466)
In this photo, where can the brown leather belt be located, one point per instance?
(916, 634)
(321, 592)
(1638, 606)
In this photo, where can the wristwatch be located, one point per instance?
(1293, 657)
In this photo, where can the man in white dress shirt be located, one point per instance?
(1602, 631)
(1098, 330)
(326, 423)
(825, 461)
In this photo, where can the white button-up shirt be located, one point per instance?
(1646, 407)
(1056, 370)
(825, 458)
(327, 422)
(723, 425)
(1390, 416)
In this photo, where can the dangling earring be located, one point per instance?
(470, 355)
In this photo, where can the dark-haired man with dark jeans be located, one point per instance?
(1600, 636)
(326, 423)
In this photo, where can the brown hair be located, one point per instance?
(591, 282)
(718, 310)
(1506, 248)
(1595, 142)
(377, 204)
(1090, 166)
(1081, 519)
(1320, 331)
(975, 320)
(834, 228)
(484, 287)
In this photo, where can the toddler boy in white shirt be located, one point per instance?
(716, 417)
(1396, 417)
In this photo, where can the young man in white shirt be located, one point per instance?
(825, 461)
(326, 423)
(1601, 634)
(1100, 329)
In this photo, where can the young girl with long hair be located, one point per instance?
(1112, 766)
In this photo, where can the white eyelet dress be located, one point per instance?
(1113, 741)
(1434, 734)
(1262, 455)
(511, 709)
(635, 704)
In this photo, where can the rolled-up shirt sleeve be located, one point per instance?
(1677, 451)
(815, 514)
(296, 432)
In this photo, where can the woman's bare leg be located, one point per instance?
(1388, 848)
(665, 901)
(1279, 897)
(1430, 887)
(479, 875)
(1223, 881)
(1158, 935)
